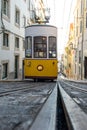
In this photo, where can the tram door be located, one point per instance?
(85, 68)
(16, 66)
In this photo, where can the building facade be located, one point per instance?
(75, 65)
(80, 23)
(14, 16)
(70, 53)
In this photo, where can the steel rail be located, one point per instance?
(79, 88)
(32, 87)
(4, 93)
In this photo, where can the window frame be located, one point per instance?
(5, 70)
(86, 4)
(17, 41)
(86, 19)
(81, 26)
(5, 39)
(53, 49)
(6, 9)
(17, 16)
(28, 48)
(24, 20)
(40, 48)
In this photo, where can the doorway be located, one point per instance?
(16, 66)
(85, 68)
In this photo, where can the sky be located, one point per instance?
(61, 12)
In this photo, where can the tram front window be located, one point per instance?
(40, 47)
(28, 47)
(52, 47)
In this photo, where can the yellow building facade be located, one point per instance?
(69, 55)
(75, 56)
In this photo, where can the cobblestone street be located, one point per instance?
(18, 109)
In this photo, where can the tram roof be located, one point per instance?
(41, 25)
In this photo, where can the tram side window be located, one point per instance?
(52, 47)
(40, 47)
(28, 47)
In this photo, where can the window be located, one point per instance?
(69, 65)
(29, 4)
(5, 70)
(77, 31)
(28, 47)
(80, 26)
(77, 16)
(17, 16)
(86, 20)
(52, 47)
(16, 42)
(79, 56)
(40, 47)
(5, 39)
(24, 21)
(23, 44)
(6, 7)
(86, 4)
(79, 70)
(81, 7)
(75, 68)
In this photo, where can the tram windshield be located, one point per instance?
(52, 47)
(28, 47)
(40, 47)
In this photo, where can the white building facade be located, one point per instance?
(14, 16)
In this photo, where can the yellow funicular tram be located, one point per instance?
(40, 60)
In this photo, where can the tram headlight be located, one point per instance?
(54, 55)
(40, 67)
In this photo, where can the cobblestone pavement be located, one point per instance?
(19, 108)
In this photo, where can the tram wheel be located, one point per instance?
(51, 80)
(35, 80)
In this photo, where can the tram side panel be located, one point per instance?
(46, 69)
